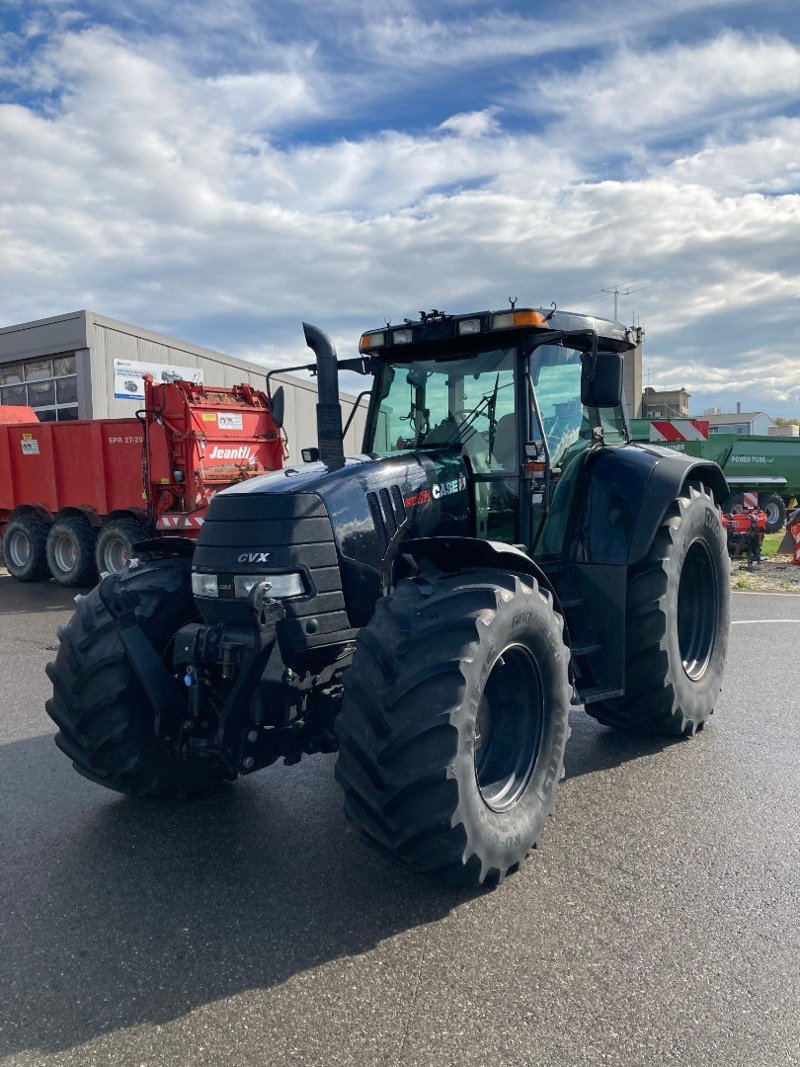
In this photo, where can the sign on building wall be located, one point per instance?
(129, 377)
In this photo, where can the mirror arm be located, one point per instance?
(351, 416)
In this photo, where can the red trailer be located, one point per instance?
(76, 496)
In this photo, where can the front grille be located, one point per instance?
(296, 532)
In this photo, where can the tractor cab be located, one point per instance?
(519, 394)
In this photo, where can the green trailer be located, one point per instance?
(768, 466)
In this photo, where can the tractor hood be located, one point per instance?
(340, 527)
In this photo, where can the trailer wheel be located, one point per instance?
(70, 551)
(115, 543)
(24, 548)
(775, 509)
(454, 722)
(677, 624)
(105, 723)
(734, 505)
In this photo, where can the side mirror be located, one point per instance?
(277, 405)
(601, 380)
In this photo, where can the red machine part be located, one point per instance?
(794, 531)
(201, 439)
(198, 440)
(745, 521)
(92, 466)
(10, 414)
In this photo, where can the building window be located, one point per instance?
(47, 384)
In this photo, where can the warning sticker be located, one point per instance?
(30, 447)
(229, 420)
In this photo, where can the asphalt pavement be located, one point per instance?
(657, 924)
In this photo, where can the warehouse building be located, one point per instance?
(87, 366)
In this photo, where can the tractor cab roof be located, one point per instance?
(450, 335)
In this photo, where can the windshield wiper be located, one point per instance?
(487, 401)
(492, 422)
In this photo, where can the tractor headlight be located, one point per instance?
(280, 585)
(204, 584)
(467, 326)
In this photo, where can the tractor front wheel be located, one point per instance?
(105, 722)
(677, 624)
(454, 721)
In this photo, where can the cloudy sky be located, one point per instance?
(221, 170)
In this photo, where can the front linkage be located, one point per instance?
(230, 696)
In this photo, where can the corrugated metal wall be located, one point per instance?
(108, 342)
(98, 340)
(300, 418)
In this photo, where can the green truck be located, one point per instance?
(768, 466)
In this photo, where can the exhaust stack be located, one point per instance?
(329, 410)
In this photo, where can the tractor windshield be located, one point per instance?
(464, 404)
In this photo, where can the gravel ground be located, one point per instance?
(775, 574)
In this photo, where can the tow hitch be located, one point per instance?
(238, 657)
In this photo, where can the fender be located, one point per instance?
(166, 547)
(456, 553)
(623, 495)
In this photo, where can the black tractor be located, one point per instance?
(431, 608)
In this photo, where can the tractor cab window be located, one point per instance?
(463, 404)
(467, 405)
(556, 374)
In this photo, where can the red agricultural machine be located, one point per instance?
(76, 496)
(746, 531)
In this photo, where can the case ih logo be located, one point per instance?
(437, 491)
(241, 452)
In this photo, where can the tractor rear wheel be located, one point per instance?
(454, 722)
(677, 624)
(105, 723)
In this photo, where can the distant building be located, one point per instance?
(665, 403)
(88, 366)
(788, 430)
(741, 422)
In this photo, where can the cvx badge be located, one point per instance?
(254, 557)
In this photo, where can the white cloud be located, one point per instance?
(177, 198)
(764, 158)
(472, 123)
(674, 89)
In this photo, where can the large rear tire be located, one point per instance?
(105, 723)
(25, 548)
(677, 624)
(454, 722)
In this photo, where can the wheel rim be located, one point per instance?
(19, 548)
(508, 728)
(116, 555)
(773, 513)
(65, 553)
(698, 604)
